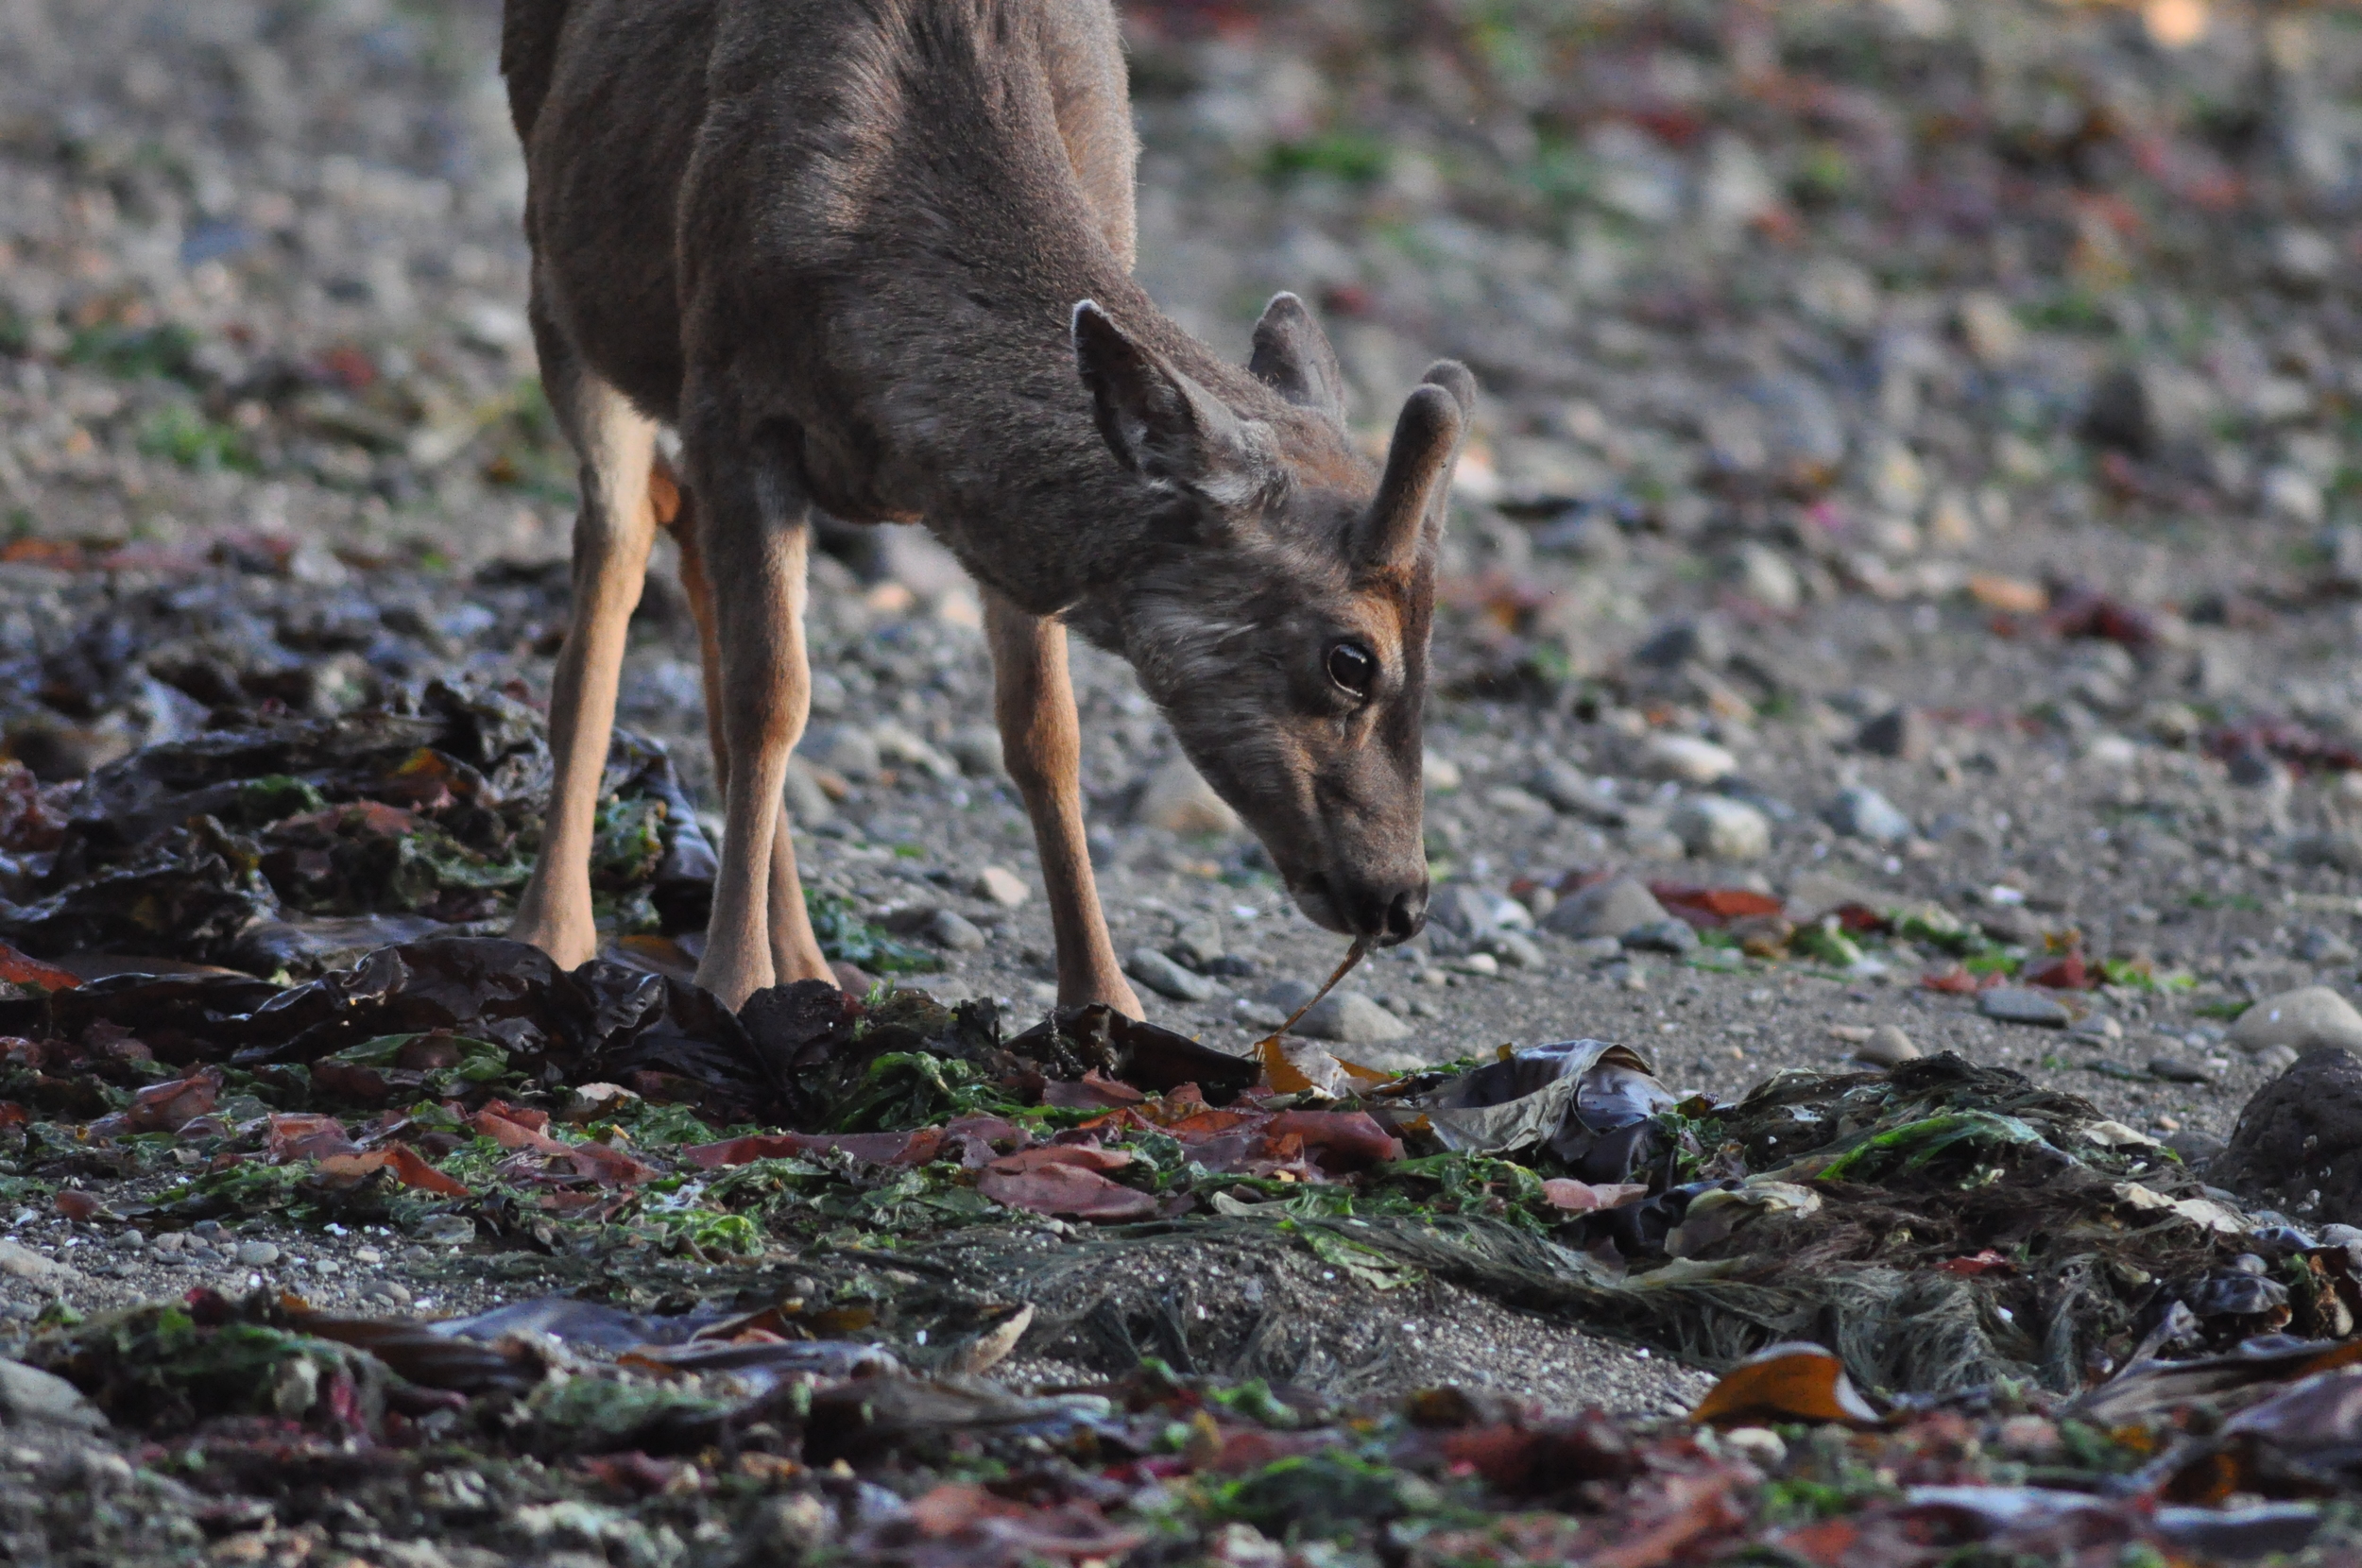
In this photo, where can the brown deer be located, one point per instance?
(874, 256)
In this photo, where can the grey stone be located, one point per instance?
(1001, 886)
(256, 1254)
(2149, 408)
(2176, 1069)
(1887, 1046)
(846, 749)
(2099, 1028)
(2277, 1058)
(808, 804)
(951, 930)
(19, 1261)
(1166, 978)
(1609, 909)
(1864, 814)
(1599, 949)
(1516, 951)
(1680, 643)
(2339, 849)
(1178, 800)
(2321, 945)
(29, 1396)
(1350, 1018)
(2301, 1019)
(1460, 919)
(391, 1291)
(1662, 936)
(1199, 942)
(1571, 790)
(2017, 1004)
(977, 750)
(1684, 758)
(2196, 1148)
(1902, 733)
(1716, 828)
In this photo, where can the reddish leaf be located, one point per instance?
(167, 1107)
(1344, 1140)
(76, 1204)
(304, 1135)
(1092, 1092)
(2067, 974)
(13, 1115)
(409, 1167)
(1082, 1156)
(1956, 982)
(1067, 1189)
(1797, 1381)
(24, 969)
(903, 1149)
(1986, 1262)
(1712, 908)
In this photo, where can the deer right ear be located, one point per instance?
(1158, 423)
(1294, 358)
(1418, 474)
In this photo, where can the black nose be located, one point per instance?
(1405, 915)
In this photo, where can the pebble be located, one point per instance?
(2300, 1019)
(391, 1291)
(2099, 1028)
(1000, 885)
(256, 1254)
(844, 749)
(1460, 919)
(1168, 978)
(1178, 800)
(1901, 733)
(2277, 1058)
(1350, 1018)
(1684, 758)
(1571, 790)
(1606, 908)
(1517, 951)
(1438, 774)
(1662, 936)
(1864, 814)
(2175, 1070)
(2017, 1004)
(19, 1261)
(1714, 828)
(30, 1395)
(1679, 643)
(1887, 1046)
(1199, 945)
(1599, 949)
(951, 930)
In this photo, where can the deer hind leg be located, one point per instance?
(613, 535)
(1041, 744)
(789, 923)
(753, 531)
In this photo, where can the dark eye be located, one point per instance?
(1353, 667)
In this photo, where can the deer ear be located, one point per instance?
(1417, 482)
(1158, 423)
(1292, 358)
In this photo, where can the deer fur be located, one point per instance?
(874, 257)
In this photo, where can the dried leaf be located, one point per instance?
(1067, 1189)
(1786, 1382)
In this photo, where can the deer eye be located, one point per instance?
(1353, 667)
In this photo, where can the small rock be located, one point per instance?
(1990, 329)
(2339, 849)
(2301, 1019)
(1001, 886)
(588, 1102)
(1599, 949)
(1438, 774)
(2175, 1070)
(1680, 643)
(447, 1230)
(1570, 790)
(2196, 1148)
(1178, 800)
(2017, 1004)
(1516, 951)
(29, 1396)
(845, 749)
(2277, 1058)
(1887, 1046)
(256, 1254)
(902, 747)
(1684, 758)
(977, 750)
(1902, 733)
(1661, 936)
(2319, 945)
(2099, 1028)
(1864, 814)
(1475, 964)
(1607, 910)
(1716, 828)
(1350, 1018)
(950, 929)
(1168, 978)
(1460, 919)
(1199, 943)
(1763, 574)
(19, 1261)
(391, 1291)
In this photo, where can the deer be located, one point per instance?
(874, 258)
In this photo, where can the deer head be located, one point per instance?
(1280, 614)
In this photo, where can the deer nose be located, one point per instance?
(1406, 915)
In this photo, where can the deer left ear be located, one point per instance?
(1294, 358)
(1162, 425)
(1412, 495)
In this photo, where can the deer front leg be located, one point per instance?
(613, 535)
(1041, 743)
(752, 536)
(789, 922)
